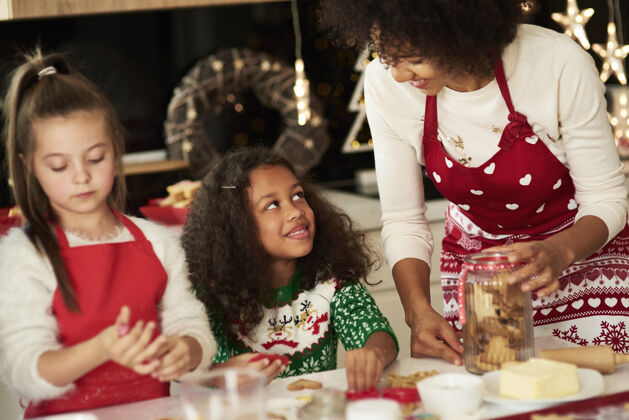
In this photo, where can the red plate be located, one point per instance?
(167, 215)
(7, 222)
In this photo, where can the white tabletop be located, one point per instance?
(285, 402)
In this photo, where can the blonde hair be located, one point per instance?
(36, 94)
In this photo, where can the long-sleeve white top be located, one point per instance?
(28, 328)
(552, 81)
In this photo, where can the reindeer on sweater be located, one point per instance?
(280, 334)
(309, 319)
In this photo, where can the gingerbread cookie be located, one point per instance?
(304, 384)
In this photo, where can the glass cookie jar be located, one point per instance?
(496, 316)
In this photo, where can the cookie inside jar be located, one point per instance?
(498, 325)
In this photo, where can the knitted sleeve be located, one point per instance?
(356, 316)
(28, 328)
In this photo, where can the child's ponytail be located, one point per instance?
(44, 87)
(27, 192)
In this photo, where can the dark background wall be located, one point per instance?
(138, 58)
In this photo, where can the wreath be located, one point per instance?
(217, 80)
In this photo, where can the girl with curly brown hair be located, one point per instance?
(278, 269)
(509, 120)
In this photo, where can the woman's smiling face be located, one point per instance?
(419, 74)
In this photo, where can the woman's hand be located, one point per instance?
(432, 335)
(545, 260)
(548, 258)
(269, 369)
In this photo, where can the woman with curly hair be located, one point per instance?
(270, 284)
(509, 120)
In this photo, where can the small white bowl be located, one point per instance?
(451, 396)
(373, 409)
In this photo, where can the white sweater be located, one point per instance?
(552, 81)
(28, 327)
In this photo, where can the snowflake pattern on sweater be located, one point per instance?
(305, 326)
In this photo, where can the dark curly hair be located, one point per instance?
(457, 36)
(229, 268)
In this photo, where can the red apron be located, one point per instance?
(524, 193)
(105, 277)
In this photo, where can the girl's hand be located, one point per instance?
(270, 370)
(364, 368)
(431, 335)
(176, 356)
(545, 259)
(129, 347)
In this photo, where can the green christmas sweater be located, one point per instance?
(305, 325)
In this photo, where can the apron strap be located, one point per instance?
(499, 73)
(430, 118)
(133, 229)
(518, 123)
(61, 236)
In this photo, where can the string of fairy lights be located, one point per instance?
(302, 85)
(612, 54)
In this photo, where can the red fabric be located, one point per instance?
(105, 277)
(523, 181)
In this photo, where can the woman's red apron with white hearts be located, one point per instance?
(524, 193)
(105, 277)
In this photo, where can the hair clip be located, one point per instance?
(46, 71)
(228, 187)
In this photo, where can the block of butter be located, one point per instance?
(537, 379)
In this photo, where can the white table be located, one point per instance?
(276, 391)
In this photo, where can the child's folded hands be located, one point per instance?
(165, 357)
(129, 347)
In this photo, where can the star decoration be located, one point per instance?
(573, 22)
(613, 56)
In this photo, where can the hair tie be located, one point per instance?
(46, 71)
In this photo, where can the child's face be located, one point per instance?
(286, 225)
(73, 160)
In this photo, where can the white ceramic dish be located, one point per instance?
(590, 385)
(451, 396)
